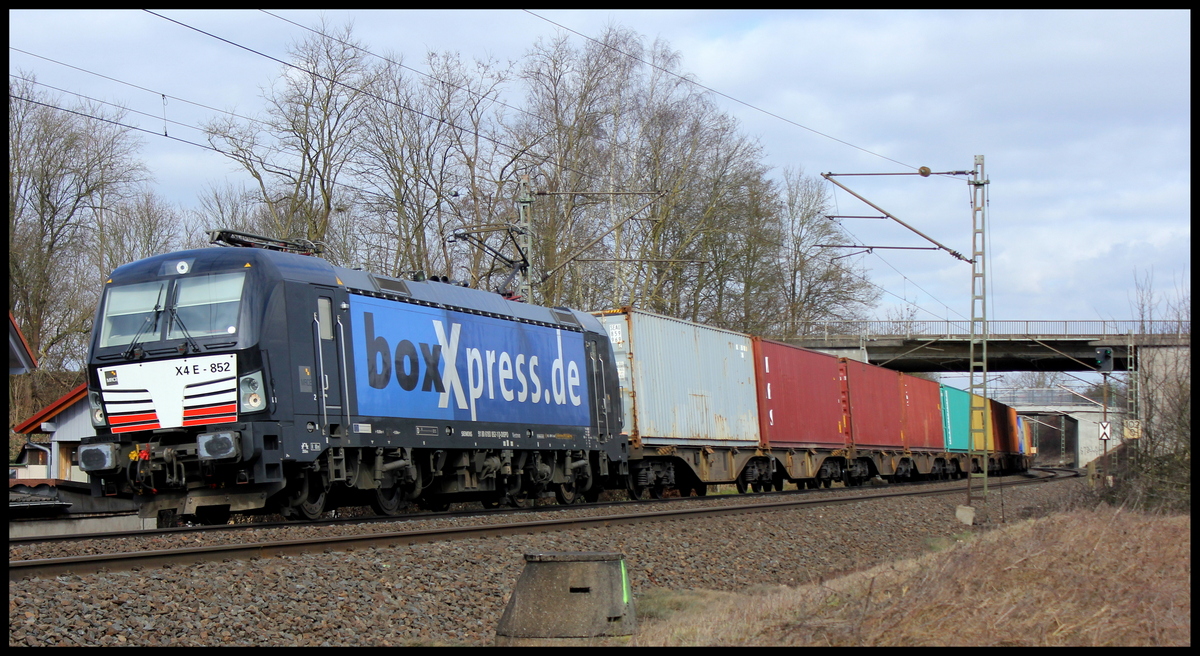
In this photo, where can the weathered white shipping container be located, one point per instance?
(682, 382)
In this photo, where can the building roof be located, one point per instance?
(20, 356)
(34, 423)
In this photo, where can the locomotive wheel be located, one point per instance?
(313, 503)
(387, 501)
(308, 502)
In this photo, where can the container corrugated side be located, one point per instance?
(956, 418)
(922, 422)
(875, 407)
(1005, 427)
(984, 421)
(1023, 434)
(800, 400)
(684, 383)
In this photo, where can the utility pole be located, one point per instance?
(981, 428)
(524, 204)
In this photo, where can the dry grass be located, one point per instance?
(1083, 578)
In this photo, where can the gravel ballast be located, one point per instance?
(453, 593)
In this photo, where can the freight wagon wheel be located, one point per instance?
(657, 491)
(826, 482)
(566, 494)
(741, 486)
(636, 492)
(518, 501)
(387, 501)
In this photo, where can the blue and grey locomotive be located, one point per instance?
(244, 379)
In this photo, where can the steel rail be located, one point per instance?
(20, 569)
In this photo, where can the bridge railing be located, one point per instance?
(1045, 396)
(959, 329)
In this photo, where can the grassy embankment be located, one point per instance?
(1104, 576)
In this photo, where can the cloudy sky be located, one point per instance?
(1083, 118)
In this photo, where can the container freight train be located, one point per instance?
(706, 406)
(256, 378)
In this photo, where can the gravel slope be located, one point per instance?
(454, 593)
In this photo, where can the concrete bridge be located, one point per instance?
(934, 346)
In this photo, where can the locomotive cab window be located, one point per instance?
(325, 317)
(130, 310)
(207, 305)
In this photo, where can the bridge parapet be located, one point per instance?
(1140, 332)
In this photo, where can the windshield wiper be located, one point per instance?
(132, 351)
(176, 320)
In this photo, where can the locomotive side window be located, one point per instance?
(130, 309)
(325, 317)
(207, 305)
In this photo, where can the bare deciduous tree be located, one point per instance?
(297, 153)
(1160, 474)
(72, 171)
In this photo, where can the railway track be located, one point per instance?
(619, 514)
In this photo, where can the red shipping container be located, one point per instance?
(922, 423)
(800, 399)
(875, 405)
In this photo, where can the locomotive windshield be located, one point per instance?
(129, 310)
(207, 305)
(200, 306)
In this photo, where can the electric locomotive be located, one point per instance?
(256, 377)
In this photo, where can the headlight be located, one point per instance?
(97, 457)
(213, 446)
(97, 409)
(251, 393)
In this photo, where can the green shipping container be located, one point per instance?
(956, 418)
